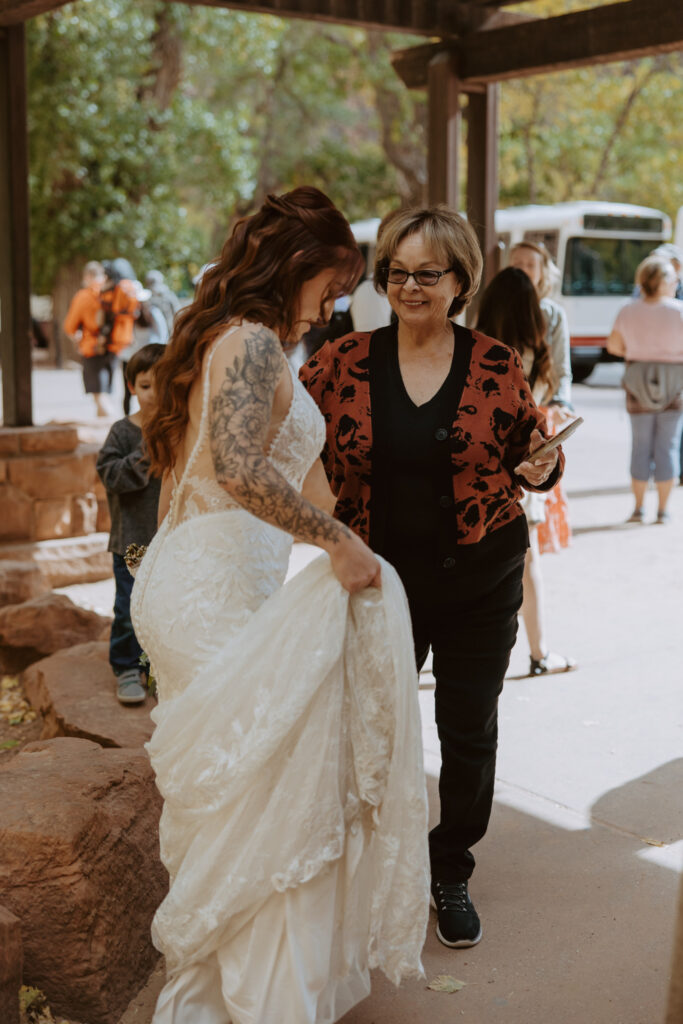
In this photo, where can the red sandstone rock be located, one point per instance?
(55, 476)
(48, 439)
(20, 581)
(11, 956)
(75, 692)
(52, 518)
(42, 626)
(84, 514)
(103, 517)
(16, 514)
(9, 442)
(79, 866)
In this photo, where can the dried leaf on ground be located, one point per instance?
(33, 1008)
(14, 707)
(446, 983)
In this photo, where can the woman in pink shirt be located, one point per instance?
(648, 333)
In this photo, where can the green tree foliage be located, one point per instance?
(612, 132)
(104, 156)
(153, 125)
(131, 158)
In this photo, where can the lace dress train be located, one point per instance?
(288, 751)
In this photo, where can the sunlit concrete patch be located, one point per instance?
(670, 856)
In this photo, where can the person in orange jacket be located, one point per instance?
(82, 324)
(100, 320)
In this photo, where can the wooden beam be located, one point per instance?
(446, 18)
(424, 17)
(15, 272)
(14, 12)
(618, 31)
(621, 31)
(443, 143)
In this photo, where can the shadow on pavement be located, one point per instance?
(578, 927)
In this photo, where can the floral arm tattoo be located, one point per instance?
(239, 419)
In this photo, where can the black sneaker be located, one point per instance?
(458, 922)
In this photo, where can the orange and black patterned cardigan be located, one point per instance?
(488, 436)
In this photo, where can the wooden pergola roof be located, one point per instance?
(470, 46)
(486, 42)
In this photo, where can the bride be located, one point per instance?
(287, 745)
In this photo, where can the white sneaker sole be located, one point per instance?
(461, 943)
(131, 700)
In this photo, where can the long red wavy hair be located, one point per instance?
(258, 277)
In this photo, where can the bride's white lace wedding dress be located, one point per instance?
(288, 751)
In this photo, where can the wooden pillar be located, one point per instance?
(15, 273)
(443, 132)
(674, 1013)
(482, 172)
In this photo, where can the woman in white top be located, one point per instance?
(551, 532)
(648, 333)
(510, 311)
(536, 263)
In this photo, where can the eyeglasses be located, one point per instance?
(425, 278)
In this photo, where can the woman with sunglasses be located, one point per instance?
(429, 429)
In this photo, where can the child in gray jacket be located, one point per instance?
(133, 497)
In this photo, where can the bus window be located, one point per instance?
(603, 266)
(550, 239)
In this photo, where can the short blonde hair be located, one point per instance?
(93, 269)
(550, 274)
(446, 233)
(652, 271)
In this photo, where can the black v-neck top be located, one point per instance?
(412, 487)
(415, 450)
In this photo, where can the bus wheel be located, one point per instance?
(582, 371)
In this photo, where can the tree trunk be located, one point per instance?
(619, 124)
(407, 157)
(66, 285)
(167, 60)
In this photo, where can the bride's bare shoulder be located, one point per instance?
(246, 337)
(250, 354)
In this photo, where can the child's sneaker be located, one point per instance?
(130, 688)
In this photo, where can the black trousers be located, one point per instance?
(470, 622)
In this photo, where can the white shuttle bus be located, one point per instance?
(597, 247)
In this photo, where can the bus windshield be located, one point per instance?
(603, 266)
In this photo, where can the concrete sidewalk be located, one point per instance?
(577, 878)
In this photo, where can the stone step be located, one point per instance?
(75, 692)
(63, 561)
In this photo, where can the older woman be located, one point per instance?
(429, 426)
(648, 333)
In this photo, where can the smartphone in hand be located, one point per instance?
(559, 438)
